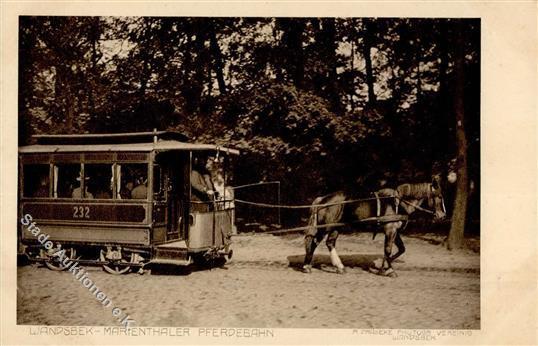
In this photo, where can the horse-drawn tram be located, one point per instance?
(123, 201)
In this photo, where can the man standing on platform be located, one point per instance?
(202, 187)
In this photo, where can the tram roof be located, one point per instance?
(111, 138)
(138, 141)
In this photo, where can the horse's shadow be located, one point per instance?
(363, 261)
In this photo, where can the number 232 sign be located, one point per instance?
(81, 212)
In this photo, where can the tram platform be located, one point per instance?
(174, 253)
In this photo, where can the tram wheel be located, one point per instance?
(118, 261)
(54, 261)
(115, 268)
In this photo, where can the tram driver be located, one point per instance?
(202, 186)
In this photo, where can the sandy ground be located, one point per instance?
(262, 287)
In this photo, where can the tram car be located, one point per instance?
(123, 201)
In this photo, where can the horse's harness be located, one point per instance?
(432, 192)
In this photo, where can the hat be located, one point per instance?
(86, 178)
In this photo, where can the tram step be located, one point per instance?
(177, 262)
(165, 254)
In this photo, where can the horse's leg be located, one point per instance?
(312, 232)
(310, 246)
(331, 244)
(391, 229)
(400, 245)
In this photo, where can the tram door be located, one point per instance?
(172, 165)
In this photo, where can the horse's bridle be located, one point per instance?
(435, 194)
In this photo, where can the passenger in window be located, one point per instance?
(103, 188)
(140, 191)
(126, 190)
(77, 192)
(43, 189)
(103, 194)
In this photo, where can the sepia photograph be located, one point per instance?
(276, 172)
(249, 172)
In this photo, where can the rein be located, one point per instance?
(418, 207)
(308, 206)
(311, 205)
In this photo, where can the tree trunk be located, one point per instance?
(455, 237)
(419, 80)
(279, 59)
(64, 97)
(27, 47)
(92, 80)
(145, 73)
(352, 88)
(418, 58)
(329, 41)
(297, 53)
(293, 46)
(366, 48)
(217, 56)
(444, 104)
(187, 67)
(199, 68)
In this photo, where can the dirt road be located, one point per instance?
(259, 288)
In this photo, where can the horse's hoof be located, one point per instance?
(307, 269)
(341, 270)
(390, 273)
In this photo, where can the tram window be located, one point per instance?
(99, 180)
(66, 180)
(36, 181)
(133, 180)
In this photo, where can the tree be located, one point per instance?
(457, 227)
(58, 74)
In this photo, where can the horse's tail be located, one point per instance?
(313, 220)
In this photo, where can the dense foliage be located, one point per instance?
(315, 103)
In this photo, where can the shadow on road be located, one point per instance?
(363, 261)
